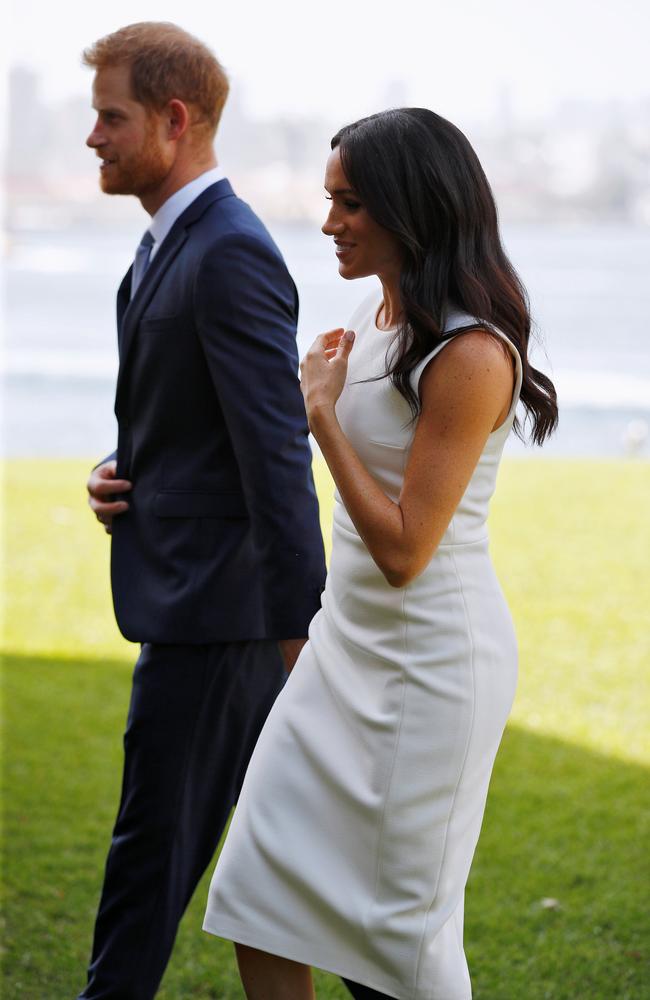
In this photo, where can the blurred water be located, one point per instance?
(588, 286)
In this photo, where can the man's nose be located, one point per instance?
(95, 138)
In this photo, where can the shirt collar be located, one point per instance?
(168, 212)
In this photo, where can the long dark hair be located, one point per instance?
(418, 177)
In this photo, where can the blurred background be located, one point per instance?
(555, 97)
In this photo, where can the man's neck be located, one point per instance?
(177, 178)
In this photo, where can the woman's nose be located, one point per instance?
(331, 227)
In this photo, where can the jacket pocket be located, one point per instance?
(181, 503)
(154, 323)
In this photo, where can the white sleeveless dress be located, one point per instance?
(354, 834)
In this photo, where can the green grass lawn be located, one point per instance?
(568, 814)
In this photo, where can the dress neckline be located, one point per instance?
(382, 329)
(456, 317)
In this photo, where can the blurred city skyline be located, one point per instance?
(301, 59)
(584, 161)
(555, 99)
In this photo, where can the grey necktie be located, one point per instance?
(141, 262)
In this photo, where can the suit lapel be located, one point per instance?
(123, 296)
(130, 312)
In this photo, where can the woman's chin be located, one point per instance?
(346, 271)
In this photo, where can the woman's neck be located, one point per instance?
(391, 312)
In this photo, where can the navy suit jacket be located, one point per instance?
(221, 541)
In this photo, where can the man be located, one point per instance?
(217, 559)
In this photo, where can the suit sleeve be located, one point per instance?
(109, 458)
(246, 311)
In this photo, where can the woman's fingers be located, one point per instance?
(332, 346)
(332, 335)
(330, 341)
(344, 346)
(340, 350)
(325, 345)
(341, 345)
(324, 368)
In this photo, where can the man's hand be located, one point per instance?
(290, 649)
(102, 487)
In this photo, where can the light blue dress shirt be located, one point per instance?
(175, 205)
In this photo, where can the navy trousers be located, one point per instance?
(364, 992)
(194, 718)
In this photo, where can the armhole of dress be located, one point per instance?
(519, 375)
(418, 371)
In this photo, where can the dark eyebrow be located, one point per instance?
(341, 191)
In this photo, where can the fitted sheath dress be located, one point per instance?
(353, 837)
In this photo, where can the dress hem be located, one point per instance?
(297, 951)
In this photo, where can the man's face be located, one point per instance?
(128, 138)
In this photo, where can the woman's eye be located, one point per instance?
(346, 202)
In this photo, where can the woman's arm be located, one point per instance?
(465, 392)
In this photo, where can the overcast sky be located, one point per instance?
(343, 59)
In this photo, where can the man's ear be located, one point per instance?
(177, 118)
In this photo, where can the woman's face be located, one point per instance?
(363, 247)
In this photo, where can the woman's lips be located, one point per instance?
(343, 248)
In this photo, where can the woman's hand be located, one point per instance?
(323, 371)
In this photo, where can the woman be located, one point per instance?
(353, 838)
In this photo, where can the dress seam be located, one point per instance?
(392, 767)
(462, 545)
(458, 781)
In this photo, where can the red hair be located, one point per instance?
(166, 63)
